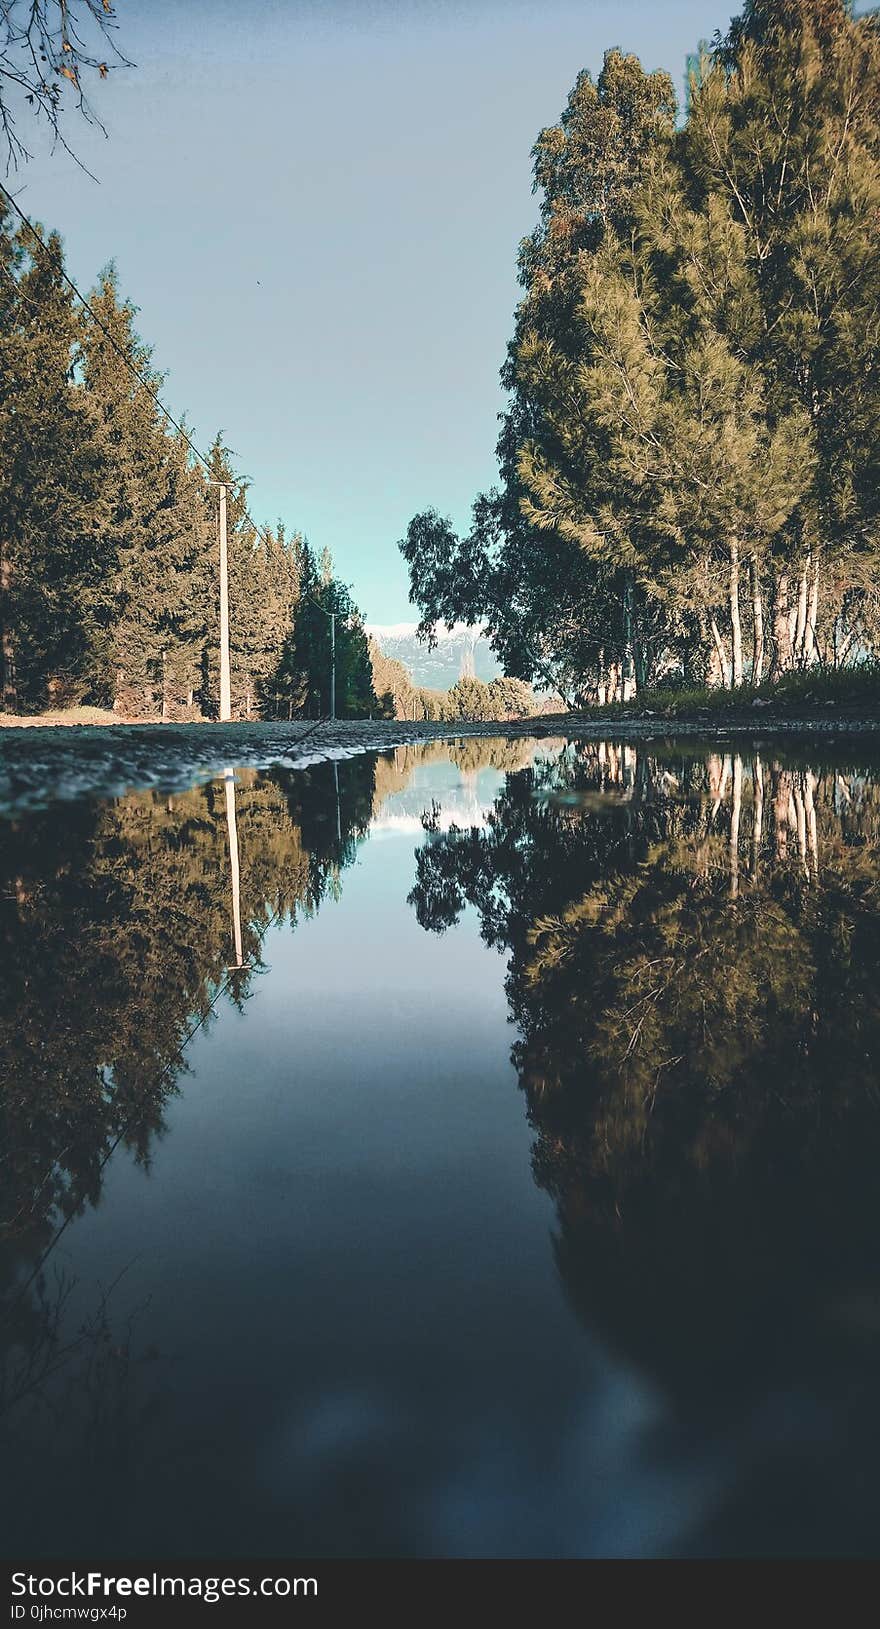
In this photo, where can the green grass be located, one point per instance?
(802, 694)
(61, 715)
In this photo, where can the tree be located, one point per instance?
(392, 683)
(693, 376)
(157, 529)
(784, 126)
(55, 555)
(547, 605)
(308, 658)
(265, 571)
(512, 698)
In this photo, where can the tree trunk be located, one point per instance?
(735, 621)
(719, 673)
(601, 686)
(811, 642)
(800, 625)
(628, 675)
(8, 692)
(781, 662)
(757, 623)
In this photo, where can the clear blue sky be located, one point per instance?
(316, 205)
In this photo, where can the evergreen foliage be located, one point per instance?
(688, 460)
(109, 586)
(307, 662)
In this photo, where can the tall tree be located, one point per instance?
(308, 659)
(265, 568)
(55, 553)
(552, 610)
(693, 375)
(785, 126)
(157, 527)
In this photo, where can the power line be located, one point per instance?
(145, 384)
(124, 358)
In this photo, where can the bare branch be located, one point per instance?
(48, 49)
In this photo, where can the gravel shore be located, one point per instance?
(41, 764)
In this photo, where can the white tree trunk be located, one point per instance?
(757, 623)
(735, 621)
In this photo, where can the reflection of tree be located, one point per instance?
(692, 950)
(117, 932)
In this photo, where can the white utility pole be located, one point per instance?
(333, 664)
(225, 686)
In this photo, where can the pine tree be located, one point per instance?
(307, 662)
(53, 511)
(156, 526)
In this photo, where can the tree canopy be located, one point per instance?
(688, 458)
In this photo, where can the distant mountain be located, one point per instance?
(463, 650)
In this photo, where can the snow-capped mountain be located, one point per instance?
(459, 650)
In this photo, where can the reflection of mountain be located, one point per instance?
(460, 651)
(451, 799)
(693, 948)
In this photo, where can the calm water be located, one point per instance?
(472, 1150)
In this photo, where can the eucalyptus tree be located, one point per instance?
(784, 134)
(693, 375)
(552, 607)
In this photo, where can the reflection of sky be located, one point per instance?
(463, 801)
(341, 1256)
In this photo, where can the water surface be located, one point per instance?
(466, 1150)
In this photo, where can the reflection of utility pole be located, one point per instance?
(336, 784)
(232, 828)
(225, 686)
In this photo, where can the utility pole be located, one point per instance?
(232, 829)
(225, 686)
(332, 615)
(332, 664)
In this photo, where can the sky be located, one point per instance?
(316, 206)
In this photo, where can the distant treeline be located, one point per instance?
(469, 697)
(690, 455)
(108, 532)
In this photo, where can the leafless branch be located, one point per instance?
(48, 49)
